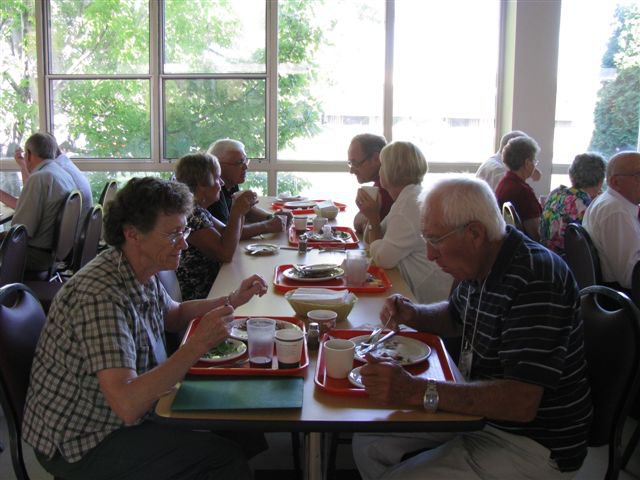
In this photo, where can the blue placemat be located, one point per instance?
(239, 393)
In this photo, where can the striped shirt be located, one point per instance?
(530, 330)
(102, 318)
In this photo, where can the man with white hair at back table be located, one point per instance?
(493, 168)
(364, 162)
(516, 310)
(41, 199)
(612, 219)
(234, 165)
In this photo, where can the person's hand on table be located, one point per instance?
(275, 224)
(388, 383)
(253, 285)
(397, 310)
(212, 329)
(368, 206)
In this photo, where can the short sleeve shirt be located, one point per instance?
(102, 318)
(197, 271)
(564, 206)
(515, 190)
(529, 329)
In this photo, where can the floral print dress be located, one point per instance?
(197, 272)
(564, 205)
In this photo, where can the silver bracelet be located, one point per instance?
(431, 398)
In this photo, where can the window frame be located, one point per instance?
(515, 53)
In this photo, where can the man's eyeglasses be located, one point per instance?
(173, 237)
(436, 241)
(353, 163)
(238, 163)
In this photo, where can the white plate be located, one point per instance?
(355, 378)
(338, 236)
(403, 350)
(332, 271)
(237, 350)
(262, 249)
(239, 328)
(291, 198)
(299, 205)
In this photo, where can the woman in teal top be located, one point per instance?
(567, 205)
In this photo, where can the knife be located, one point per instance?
(377, 343)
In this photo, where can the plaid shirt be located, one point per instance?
(102, 318)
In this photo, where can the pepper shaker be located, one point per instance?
(313, 336)
(302, 243)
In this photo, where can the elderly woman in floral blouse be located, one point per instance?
(567, 205)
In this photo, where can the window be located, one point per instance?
(444, 79)
(598, 99)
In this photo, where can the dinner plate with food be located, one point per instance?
(314, 273)
(402, 350)
(226, 351)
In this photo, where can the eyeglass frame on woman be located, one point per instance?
(435, 242)
(183, 234)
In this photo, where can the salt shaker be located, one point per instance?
(302, 243)
(313, 336)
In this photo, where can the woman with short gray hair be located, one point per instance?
(396, 241)
(567, 205)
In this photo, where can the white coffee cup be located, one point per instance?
(289, 343)
(338, 357)
(300, 223)
(371, 191)
(326, 319)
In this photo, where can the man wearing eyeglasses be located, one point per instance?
(364, 162)
(612, 219)
(234, 165)
(516, 311)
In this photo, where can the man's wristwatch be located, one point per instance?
(431, 397)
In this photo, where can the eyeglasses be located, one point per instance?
(238, 163)
(352, 163)
(436, 241)
(183, 235)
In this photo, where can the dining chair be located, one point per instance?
(612, 349)
(21, 321)
(582, 256)
(86, 247)
(13, 255)
(108, 193)
(511, 217)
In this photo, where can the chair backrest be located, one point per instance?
(169, 280)
(13, 255)
(582, 256)
(635, 284)
(612, 349)
(66, 228)
(21, 321)
(108, 192)
(511, 216)
(86, 247)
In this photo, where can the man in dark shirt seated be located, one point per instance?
(233, 166)
(516, 309)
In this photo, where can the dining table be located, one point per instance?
(322, 411)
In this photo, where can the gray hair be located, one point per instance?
(587, 170)
(509, 135)
(194, 169)
(370, 143)
(463, 200)
(518, 150)
(220, 147)
(140, 202)
(402, 163)
(43, 145)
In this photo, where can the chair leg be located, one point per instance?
(334, 439)
(295, 446)
(631, 446)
